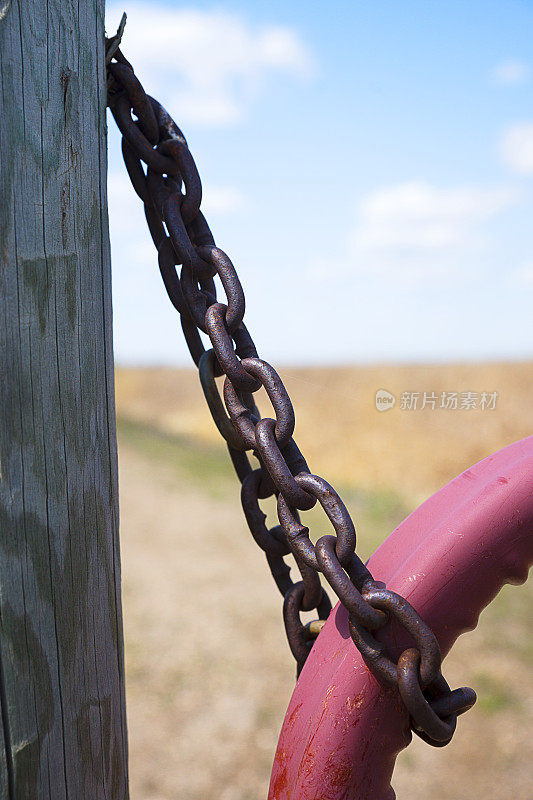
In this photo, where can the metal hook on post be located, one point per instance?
(113, 42)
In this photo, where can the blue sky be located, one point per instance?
(367, 166)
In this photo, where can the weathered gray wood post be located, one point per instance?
(62, 730)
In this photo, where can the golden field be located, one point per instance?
(344, 438)
(209, 673)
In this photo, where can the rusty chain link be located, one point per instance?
(170, 188)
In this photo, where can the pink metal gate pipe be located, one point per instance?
(449, 558)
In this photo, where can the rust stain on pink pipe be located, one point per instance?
(343, 731)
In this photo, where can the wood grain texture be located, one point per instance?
(62, 731)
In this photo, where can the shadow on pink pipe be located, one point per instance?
(449, 558)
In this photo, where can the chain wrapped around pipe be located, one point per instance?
(164, 176)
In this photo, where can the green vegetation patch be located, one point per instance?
(493, 694)
(206, 467)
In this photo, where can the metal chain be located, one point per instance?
(164, 175)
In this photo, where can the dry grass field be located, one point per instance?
(209, 674)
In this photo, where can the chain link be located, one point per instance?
(164, 176)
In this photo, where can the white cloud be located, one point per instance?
(524, 275)
(415, 231)
(516, 147)
(510, 73)
(420, 216)
(207, 66)
(222, 200)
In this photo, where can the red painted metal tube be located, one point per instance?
(342, 730)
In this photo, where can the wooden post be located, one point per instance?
(62, 730)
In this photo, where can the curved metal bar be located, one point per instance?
(343, 730)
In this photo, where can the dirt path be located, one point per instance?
(207, 665)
